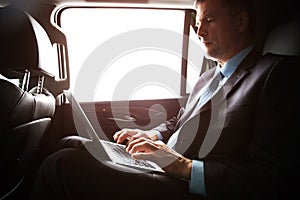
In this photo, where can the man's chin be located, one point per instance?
(210, 55)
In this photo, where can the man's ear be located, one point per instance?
(242, 21)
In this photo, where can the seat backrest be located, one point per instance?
(284, 39)
(26, 110)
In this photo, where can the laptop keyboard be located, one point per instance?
(123, 157)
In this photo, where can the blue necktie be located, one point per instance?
(207, 93)
(209, 90)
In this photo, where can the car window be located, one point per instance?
(128, 53)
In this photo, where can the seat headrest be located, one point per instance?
(24, 45)
(284, 39)
(27, 46)
(18, 47)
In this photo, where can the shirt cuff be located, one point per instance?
(197, 183)
(159, 135)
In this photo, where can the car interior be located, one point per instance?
(107, 53)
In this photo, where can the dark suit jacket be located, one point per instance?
(247, 135)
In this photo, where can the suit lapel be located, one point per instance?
(194, 100)
(221, 96)
(241, 71)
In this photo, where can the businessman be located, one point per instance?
(233, 139)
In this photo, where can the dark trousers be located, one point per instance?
(75, 174)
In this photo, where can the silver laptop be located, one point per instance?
(115, 152)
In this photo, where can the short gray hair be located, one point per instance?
(235, 6)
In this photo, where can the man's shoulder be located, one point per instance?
(277, 66)
(272, 59)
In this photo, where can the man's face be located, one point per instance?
(217, 29)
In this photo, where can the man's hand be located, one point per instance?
(157, 151)
(133, 134)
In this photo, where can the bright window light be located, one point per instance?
(90, 29)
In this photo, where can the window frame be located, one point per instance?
(189, 21)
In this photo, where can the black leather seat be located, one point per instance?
(25, 116)
(284, 39)
(26, 106)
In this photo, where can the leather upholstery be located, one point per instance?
(25, 115)
(24, 118)
(22, 107)
(17, 38)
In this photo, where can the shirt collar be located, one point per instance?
(231, 65)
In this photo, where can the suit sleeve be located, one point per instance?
(167, 128)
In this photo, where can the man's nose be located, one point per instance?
(201, 31)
